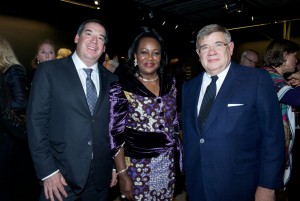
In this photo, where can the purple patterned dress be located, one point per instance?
(147, 126)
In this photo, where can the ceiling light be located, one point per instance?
(234, 6)
(151, 15)
(81, 4)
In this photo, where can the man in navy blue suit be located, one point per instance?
(68, 141)
(238, 154)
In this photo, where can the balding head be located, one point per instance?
(249, 58)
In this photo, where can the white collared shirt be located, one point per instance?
(206, 80)
(82, 74)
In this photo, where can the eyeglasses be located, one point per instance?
(250, 60)
(217, 46)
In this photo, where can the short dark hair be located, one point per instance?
(82, 27)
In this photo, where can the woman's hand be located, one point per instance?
(126, 185)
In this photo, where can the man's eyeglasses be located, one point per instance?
(250, 60)
(217, 46)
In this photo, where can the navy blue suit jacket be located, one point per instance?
(243, 143)
(62, 133)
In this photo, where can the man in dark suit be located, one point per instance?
(68, 141)
(237, 152)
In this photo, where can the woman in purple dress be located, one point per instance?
(144, 127)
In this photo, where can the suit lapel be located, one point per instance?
(194, 100)
(103, 80)
(75, 81)
(230, 84)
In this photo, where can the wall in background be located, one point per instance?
(25, 34)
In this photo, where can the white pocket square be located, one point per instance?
(234, 105)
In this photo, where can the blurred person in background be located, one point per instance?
(280, 58)
(15, 150)
(111, 64)
(14, 126)
(249, 58)
(45, 51)
(63, 52)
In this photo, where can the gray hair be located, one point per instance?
(209, 29)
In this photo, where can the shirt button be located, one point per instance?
(202, 140)
(90, 142)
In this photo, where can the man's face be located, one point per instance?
(214, 52)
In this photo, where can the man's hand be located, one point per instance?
(114, 178)
(55, 186)
(264, 194)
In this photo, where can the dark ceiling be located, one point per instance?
(124, 16)
(201, 12)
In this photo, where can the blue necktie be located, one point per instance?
(207, 101)
(91, 93)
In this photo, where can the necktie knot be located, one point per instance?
(214, 78)
(88, 71)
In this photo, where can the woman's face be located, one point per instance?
(148, 56)
(46, 52)
(290, 62)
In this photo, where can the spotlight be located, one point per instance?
(96, 2)
(234, 6)
(151, 15)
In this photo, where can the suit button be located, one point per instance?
(202, 140)
(90, 142)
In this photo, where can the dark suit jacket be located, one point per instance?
(244, 143)
(62, 133)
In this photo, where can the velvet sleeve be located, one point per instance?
(178, 144)
(118, 113)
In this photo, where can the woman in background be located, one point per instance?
(281, 58)
(144, 127)
(45, 51)
(15, 76)
(21, 177)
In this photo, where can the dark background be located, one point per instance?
(25, 23)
